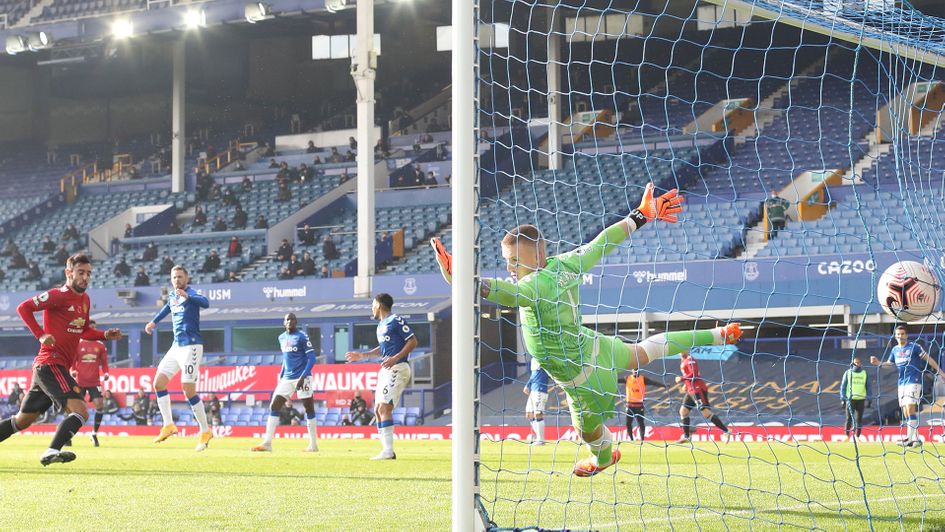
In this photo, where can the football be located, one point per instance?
(909, 291)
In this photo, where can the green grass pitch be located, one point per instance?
(132, 484)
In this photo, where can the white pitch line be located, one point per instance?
(812, 506)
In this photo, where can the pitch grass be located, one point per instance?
(132, 484)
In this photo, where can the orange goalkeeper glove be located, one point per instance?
(443, 259)
(663, 208)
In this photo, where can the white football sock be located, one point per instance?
(312, 432)
(201, 415)
(164, 405)
(271, 425)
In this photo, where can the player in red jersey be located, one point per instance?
(92, 356)
(65, 321)
(697, 396)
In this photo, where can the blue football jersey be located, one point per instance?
(392, 335)
(185, 314)
(298, 355)
(909, 362)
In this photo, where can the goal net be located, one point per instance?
(806, 138)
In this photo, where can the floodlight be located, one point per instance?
(256, 11)
(195, 18)
(16, 44)
(39, 40)
(122, 28)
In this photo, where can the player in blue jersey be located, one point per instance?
(537, 391)
(185, 354)
(911, 360)
(298, 357)
(396, 340)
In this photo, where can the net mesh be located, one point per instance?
(733, 108)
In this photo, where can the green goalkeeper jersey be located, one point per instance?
(550, 306)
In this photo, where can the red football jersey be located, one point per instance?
(92, 355)
(66, 317)
(690, 376)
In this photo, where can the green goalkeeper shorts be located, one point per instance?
(593, 392)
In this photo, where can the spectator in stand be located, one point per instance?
(416, 144)
(350, 156)
(430, 181)
(150, 253)
(9, 248)
(285, 251)
(70, 233)
(16, 395)
(307, 235)
(232, 278)
(268, 150)
(362, 417)
(214, 411)
(288, 415)
(129, 231)
(49, 245)
(311, 147)
(306, 174)
(335, 157)
(109, 403)
(246, 185)
(211, 263)
(776, 208)
(273, 164)
(356, 402)
(173, 228)
(3, 276)
(329, 250)
(133, 173)
(141, 277)
(400, 181)
(285, 274)
(220, 224)
(353, 144)
(122, 269)
(141, 408)
(261, 223)
(200, 216)
(34, 273)
(18, 261)
(326, 273)
(418, 176)
(295, 265)
(216, 192)
(308, 265)
(61, 255)
(285, 194)
(316, 161)
(240, 218)
(167, 264)
(230, 199)
(235, 249)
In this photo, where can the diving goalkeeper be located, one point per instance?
(584, 363)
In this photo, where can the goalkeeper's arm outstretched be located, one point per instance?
(584, 363)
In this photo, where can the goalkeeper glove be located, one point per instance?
(663, 208)
(443, 259)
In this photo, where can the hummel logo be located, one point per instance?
(71, 308)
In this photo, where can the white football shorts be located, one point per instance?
(287, 387)
(391, 383)
(910, 394)
(185, 359)
(536, 402)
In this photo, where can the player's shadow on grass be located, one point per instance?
(228, 474)
(932, 521)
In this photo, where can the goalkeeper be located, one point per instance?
(584, 363)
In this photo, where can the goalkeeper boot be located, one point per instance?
(732, 333)
(166, 432)
(683, 439)
(204, 441)
(311, 449)
(588, 467)
(443, 259)
(262, 448)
